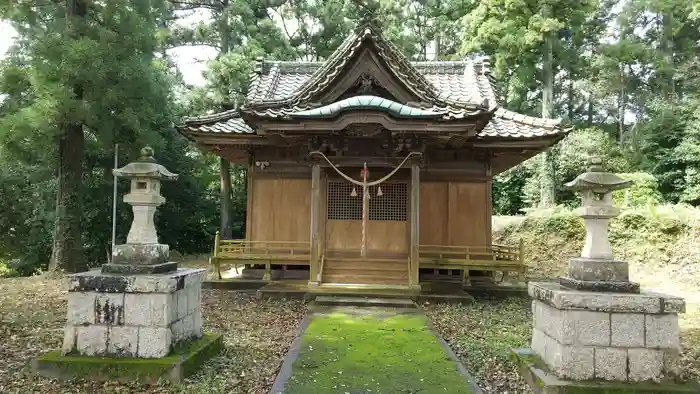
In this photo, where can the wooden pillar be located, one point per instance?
(315, 209)
(415, 227)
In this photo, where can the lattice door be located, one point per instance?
(387, 226)
(342, 205)
(388, 201)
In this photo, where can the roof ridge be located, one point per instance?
(209, 118)
(507, 114)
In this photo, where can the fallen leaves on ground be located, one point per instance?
(482, 335)
(257, 334)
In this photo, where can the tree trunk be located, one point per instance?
(570, 104)
(547, 176)
(67, 251)
(621, 109)
(224, 165)
(225, 175)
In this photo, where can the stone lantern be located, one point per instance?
(597, 269)
(138, 307)
(594, 330)
(142, 253)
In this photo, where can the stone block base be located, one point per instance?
(542, 381)
(605, 336)
(586, 269)
(182, 362)
(142, 316)
(599, 285)
(128, 269)
(140, 254)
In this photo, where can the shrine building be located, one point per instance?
(371, 169)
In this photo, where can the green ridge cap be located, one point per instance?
(368, 102)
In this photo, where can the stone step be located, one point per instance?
(375, 272)
(353, 277)
(365, 301)
(366, 265)
(366, 291)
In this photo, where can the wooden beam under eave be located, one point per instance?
(351, 161)
(230, 139)
(514, 144)
(506, 160)
(413, 125)
(235, 155)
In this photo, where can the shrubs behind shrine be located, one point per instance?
(652, 234)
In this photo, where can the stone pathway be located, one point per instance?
(356, 349)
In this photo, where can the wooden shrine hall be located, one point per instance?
(370, 169)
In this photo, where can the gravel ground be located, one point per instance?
(257, 335)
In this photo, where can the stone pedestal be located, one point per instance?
(599, 275)
(141, 316)
(586, 342)
(605, 336)
(131, 259)
(594, 331)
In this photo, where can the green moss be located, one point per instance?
(388, 354)
(182, 361)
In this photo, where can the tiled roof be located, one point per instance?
(458, 89)
(462, 81)
(265, 87)
(507, 124)
(503, 125)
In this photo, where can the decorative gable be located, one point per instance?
(365, 60)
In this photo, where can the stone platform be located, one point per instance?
(141, 316)
(179, 364)
(581, 335)
(542, 381)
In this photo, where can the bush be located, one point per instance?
(655, 235)
(644, 191)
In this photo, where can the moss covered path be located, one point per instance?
(370, 350)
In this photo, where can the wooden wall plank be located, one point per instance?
(281, 210)
(387, 236)
(344, 234)
(468, 213)
(433, 213)
(455, 213)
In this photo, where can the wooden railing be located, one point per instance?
(319, 275)
(267, 251)
(499, 258)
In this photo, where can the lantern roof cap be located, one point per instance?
(597, 178)
(145, 167)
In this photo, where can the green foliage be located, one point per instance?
(517, 189)
(625, 74)
(507, 192)
(127, 98)
(670, 142)
(643, 192)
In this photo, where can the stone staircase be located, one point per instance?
(370, 271)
